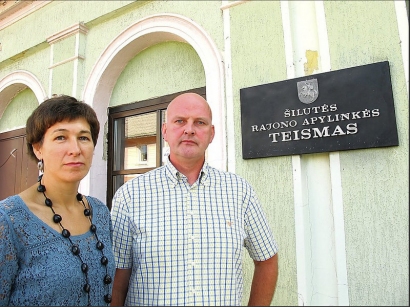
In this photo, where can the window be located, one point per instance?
(135, 143)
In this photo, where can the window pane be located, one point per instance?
(119, 180)
(164, 144)
(140, 141)
(118, 159)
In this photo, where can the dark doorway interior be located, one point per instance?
(17, 170)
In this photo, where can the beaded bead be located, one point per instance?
(107, 279)
(57, 218)
(100, 245)
(65, 233)
(107, 298)
(75, 249)
(104, 260)
(86, 288)
(84, 267)
(48, 202)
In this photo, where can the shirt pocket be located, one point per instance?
(225, 237)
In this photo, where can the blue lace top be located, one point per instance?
(37, 267)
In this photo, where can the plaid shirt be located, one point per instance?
(185, 243)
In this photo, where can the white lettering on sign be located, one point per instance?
(320, 118)
(308, 133)
(307, 111)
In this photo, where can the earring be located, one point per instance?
(40, 165)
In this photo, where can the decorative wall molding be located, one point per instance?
(14, 83)
(66, 61)
(232, 4)
(19, 10)
(72, 30)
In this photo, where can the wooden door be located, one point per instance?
(17, 170)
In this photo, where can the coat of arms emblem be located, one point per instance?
(308, 90)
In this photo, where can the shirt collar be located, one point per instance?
(174, 175)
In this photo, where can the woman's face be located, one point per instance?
(67, 150)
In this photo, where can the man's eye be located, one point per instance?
(84, 138)
(60, 138)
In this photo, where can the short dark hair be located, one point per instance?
(55, 110)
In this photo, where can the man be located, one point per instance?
(179, 230)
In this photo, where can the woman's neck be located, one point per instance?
(61, 193)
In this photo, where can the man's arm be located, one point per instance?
(120, 286)
(264, 282)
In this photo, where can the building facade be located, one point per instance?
(341, 218)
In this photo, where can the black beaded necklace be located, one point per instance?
(74, 247)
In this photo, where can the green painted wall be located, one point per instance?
(105, 20)
(52, 18)
(258, 57)
(63, 79)
(157, 71)
(35, 62)
(205, 13)
(64, 49)
(17, 112)
(375, 181)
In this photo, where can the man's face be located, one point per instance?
(189, 128)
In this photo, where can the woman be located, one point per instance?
(55, 244)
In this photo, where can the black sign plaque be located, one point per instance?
(346, 109)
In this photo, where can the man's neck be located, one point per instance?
(189, 168)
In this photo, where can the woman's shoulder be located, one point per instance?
(15, 214)
(97, 205)
(10, 204)
(95, 200)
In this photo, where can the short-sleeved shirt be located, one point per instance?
(185, 242)
(37, 266)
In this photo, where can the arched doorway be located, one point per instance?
(142, 34)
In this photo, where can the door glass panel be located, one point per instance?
(164, 144)
(118, 144)
(119, 180)
(140, 141)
